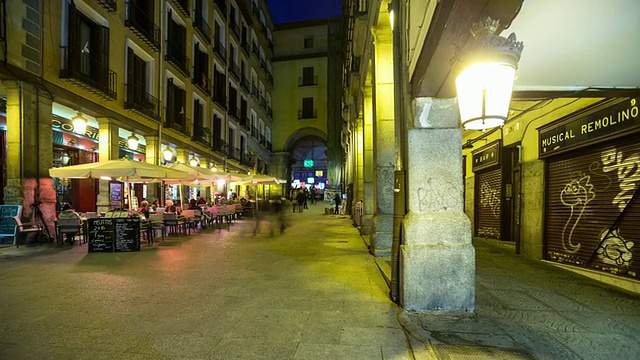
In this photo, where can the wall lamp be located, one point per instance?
(79, 124)
(132, 142)
(485, 82)
(65, 159)
(194, 161)
(167, 154)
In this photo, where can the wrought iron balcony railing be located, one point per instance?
(202, 135)
(142, 102)
(263, 140)
(269, 146)
(202, 81)
(178, 122)
(183, 6)
(222, 6)
(220, 50)
(235, 28)
(176, 55)
(246, 85)
(220, 97)
(201, 26)
(307, 80)
(307, 114)
(270, 77)
(88, 73)
(234, 69)
(254, 132)
(143, 26)
(109, 5)
(220, 146)
(254, 50)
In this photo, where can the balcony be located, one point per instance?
(202, 135)
(254, 10)
(220, 146)
(254, 91)
(269, 146)
(307, 81)
(235, 28)
(183, 6)
(222, 6)
(245, 46)
(246, 160)
(220, 97)
(254, 132)
(89, 74)
(269, 111)
(270, 77)
(235, 70)
(176, 55)
(254, 51)
(203, 82)
(244, 120)
(202, 27)
(220, 50)
(263, 140)
(263, 64)
(234, 153)
(142, 103)
(141, 25)
(262, 101)
(246, 85)
(307, 114)
(234, 112)
(178, 122)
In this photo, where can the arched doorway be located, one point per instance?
(309, 165)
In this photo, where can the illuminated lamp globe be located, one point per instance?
(132, 142)
(193, 161)
(79, 124)
(485, 83)
(167, 154)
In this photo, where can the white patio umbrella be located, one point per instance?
(258, 179)
(199, 174)
(124, 169)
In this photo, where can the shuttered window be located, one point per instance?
(488, 203)
(593, 207)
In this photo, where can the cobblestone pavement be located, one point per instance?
(312, 293)
(530, 309)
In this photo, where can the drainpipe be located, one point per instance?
(399, 198)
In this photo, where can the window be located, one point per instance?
(308, 42)
(176, 101)
(308, 77)
(307, 112)
(177, 45)
(138, 88)
(201, 68)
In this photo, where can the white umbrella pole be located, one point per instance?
(126, 185)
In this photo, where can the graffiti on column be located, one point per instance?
(436, 196)
(576, 194)
(490, 197)
(614, 249)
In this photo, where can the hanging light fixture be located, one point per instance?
(485, 82)
(193, 161)
(65, 159)
(214, 168)
(79, 124)
(168, 154)
(133, 142)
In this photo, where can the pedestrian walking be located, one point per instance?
(337, 199)
(301, 199)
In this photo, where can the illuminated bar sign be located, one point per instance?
(607, 120)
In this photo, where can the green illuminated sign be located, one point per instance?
(308, 163)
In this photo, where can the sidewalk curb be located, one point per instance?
(418, 334)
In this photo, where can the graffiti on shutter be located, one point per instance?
(593, 208)
(488, 203)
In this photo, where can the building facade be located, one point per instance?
(192, 80)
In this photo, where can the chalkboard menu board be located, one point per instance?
(127, 231)
(7, 226)
(101, 235)
(114, 234)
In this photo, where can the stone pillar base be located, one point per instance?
(438, 262)
(381, 235)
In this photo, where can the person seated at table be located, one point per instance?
(202, 201)
(193, 205)
(144, 209)
(68, 212)
(154, 205)
(170, 208)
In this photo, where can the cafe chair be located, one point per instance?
(69, 228)
(157, 224)
(175, 223)
(24, 229)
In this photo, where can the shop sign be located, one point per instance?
(487, 156)
(67, 125)
(600, 123)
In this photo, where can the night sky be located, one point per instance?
(297, 10)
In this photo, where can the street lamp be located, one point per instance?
(65, 159)
(485, 83)
(132, 141)
(167, 154)
(193, 161)
(79, 124)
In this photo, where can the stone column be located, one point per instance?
(280, 168)
(108, 149)
(437, 257)
(30, 151)
(358, 158)
(153, 156)
(367, 158)
(182, 156)
(383, 143)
